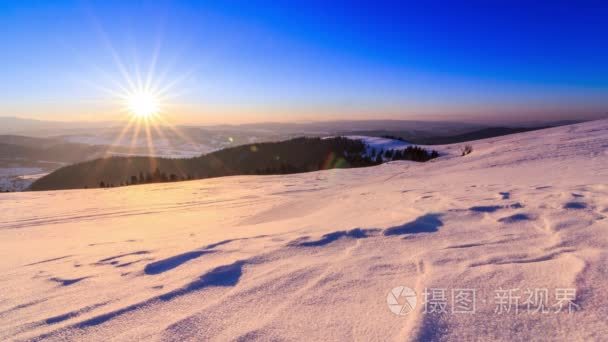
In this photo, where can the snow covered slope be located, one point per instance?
(314, 256)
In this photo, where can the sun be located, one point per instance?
(143, 104)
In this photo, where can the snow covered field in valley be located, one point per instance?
(378, 143)
(19, 178)
(315, 256)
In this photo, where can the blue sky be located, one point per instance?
(233, 61)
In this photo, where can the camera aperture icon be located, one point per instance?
(401, 300)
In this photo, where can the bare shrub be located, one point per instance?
(466, 149)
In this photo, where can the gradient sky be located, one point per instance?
(242, 61)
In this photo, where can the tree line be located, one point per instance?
(149, 177)
(413, 153)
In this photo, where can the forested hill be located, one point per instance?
(291, 156)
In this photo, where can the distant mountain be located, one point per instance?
(24, 141)
(292, 156)
(12, 125)
(483, 133)
(433, 138)
(43, 128)
(332, 127)
(21, 148)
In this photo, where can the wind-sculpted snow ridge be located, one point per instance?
(316, 256)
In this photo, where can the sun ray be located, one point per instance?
(135, 136)
(115, 56)
(152, 66)
(180, 134)
(160, 133)
(120, 136)
(170, 85)
(149, 138)
(108, 91)
(138, 77)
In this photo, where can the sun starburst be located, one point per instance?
(143, 104)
